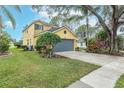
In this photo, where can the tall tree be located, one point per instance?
(114, 20)
(81, 31)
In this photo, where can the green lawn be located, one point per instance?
(120, 82)
(28, 69)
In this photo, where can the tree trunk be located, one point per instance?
(109, 41)
(113, 41)
(87, 25)
(0, 23)
(115, 19)
(114, 46)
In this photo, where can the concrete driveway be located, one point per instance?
(104, 77)
(93, 58)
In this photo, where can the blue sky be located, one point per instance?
(22, 19)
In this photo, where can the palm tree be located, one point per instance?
(87, 25)
(4, 11)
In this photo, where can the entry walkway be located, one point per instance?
(104, 77)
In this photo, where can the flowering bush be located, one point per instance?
(98, 43)
(95, 45)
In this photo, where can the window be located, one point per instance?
(27, 42)
(38, 27)
(65, 32)
(81, 43)
(30, 41)
(122, 29)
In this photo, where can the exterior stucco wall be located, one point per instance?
(28, 35)
(45, 27)
(68, 35)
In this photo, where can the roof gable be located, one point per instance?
(54, 30)
(44, 23)
(60, 28)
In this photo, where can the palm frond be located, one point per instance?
(75, 18)
(17, 7)
(7, 13)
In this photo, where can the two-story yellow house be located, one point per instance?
(38, 27)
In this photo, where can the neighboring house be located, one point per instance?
(121, 33)
(81, 39)
(82, 36)
(38, 27)
(122, 45)
(120, 30)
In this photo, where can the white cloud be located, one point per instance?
(8, 24)
(43, 14)
(92, 21)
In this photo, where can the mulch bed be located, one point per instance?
(4, 54)
(59, 56)
(107, 53)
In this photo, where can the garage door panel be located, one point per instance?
(64, 45)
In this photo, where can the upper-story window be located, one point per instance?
(38, 27)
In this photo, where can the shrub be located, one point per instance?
(25, 48)
(38, 48)
(46, 43)
(4, 42)
(18, 44)
(92, 46)
(77, 49)
(98, 43)
(95, 45)
(4, 48)
(120, 40)
(102, 35)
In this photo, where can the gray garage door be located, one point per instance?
(64, 45)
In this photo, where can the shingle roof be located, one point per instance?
(37, 21)
(50, 30)
(53, 29)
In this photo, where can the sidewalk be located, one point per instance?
(104, 77)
